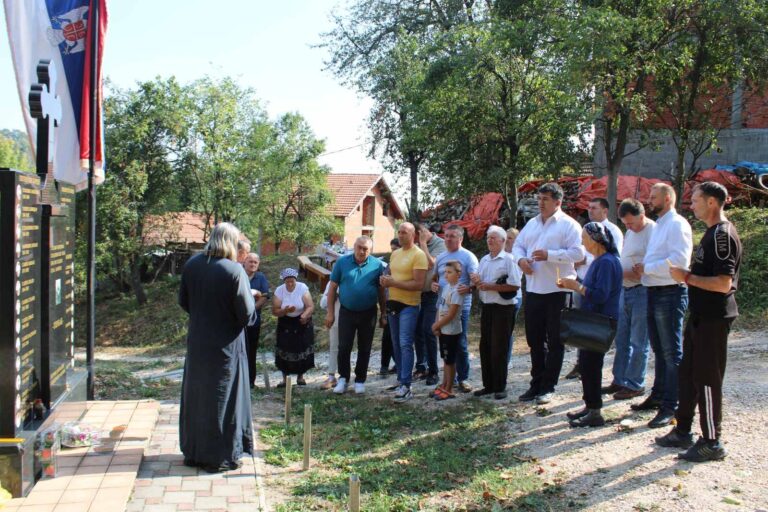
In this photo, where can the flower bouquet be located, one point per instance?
(47, 450)
(76, 435)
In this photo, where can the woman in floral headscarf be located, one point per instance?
(601, 291)
(292, 305)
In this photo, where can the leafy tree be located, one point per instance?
(144, 131)
(14, 150)
(723, 47)
(363, 46)
(290, 194)
(614, 47)
(499, 106)
(222, 118)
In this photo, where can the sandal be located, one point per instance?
(434, 391)
(441, 394)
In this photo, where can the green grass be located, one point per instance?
(116, 380)
(406, 456)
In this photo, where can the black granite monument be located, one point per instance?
(37, 241)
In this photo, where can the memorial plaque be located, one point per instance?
(57, 293)
(20, 356)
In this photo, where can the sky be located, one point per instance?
(263, 44)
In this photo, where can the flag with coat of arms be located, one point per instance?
(58, 30)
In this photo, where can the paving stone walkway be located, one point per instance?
(165, 484)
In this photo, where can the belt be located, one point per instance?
(665, 286)
(632, 287)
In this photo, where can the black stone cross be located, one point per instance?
(45, 106)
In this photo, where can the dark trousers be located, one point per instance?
(386, 348)
(542, 330)
(362, 323)
(426, 341)
(496, 324)
(700, 379)
(251, 347)
(591, 369)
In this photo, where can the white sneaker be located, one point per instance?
(341, 386)
(359, 388)
(403, 394)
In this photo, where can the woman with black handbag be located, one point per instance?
(601, 291)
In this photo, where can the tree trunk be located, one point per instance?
(136, 285)
(413, 165)
(679, 180)
(613, 182)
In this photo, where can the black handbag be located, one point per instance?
(587, 330)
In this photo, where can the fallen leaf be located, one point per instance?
(731, 501)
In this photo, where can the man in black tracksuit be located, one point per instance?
(712, 284)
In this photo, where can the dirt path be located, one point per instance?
(605, 469)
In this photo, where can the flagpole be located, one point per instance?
(91, 260)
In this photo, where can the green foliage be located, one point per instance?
(752, 296)
(290, 193)
(144, 137)
(227, 132)
(14, 150)
(406, 455)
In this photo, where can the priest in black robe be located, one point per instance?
(215, 424)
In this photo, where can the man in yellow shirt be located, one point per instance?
(408, 266)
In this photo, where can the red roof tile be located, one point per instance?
(350, 190)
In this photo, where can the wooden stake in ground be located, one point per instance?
(307, 434)
(354, 493)
(288, 386)
(265, 370)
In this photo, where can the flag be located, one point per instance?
(59, 30)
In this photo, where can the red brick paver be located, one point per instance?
(164, 484)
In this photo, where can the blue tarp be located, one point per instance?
(758, 168)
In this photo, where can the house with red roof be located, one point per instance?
(364, 204)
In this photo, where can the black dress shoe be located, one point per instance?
(482, 392)
(593, 418)
(500, 395)
(529, 395)
(574, 373)
(662, 419)
(648, 404)
(609, 390)
(577, 414)
(431, 380)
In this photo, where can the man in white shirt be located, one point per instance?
(497, 279)
(631, 357)
(670, 245)
(546, 249)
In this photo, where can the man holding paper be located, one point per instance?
(670, 244)
(546, 250)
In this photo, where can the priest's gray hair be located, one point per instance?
(223, 241)
(499, 231)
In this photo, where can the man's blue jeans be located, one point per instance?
(632, 345)
(666, 309)
(462, 357)
(402, 326)
(426, 341)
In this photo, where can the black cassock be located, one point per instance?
(215, 424)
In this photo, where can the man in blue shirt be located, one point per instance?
(454, 235)
(260, 291)
(356, 278)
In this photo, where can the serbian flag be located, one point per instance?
(59, 30)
